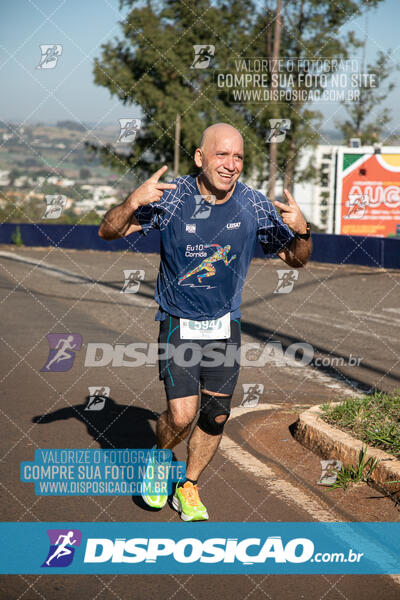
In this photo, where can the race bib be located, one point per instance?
(214, 329)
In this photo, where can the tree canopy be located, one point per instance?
(150, 67)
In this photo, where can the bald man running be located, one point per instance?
(197, 313)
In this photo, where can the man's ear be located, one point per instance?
(198, 158)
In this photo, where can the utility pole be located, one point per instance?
(273, 151)
(177, 145)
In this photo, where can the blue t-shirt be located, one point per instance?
(206, 248)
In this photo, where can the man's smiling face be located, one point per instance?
(221, 157)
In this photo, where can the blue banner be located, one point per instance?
(199, 548)
(331, 248)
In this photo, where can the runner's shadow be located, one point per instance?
(111, 425)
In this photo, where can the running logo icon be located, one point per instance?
(278, 130)
(251, 394)
(62, 547)
(50, 55)
(97, 398)
(62, 351)
(330, 471)
(356, 206)
(203, 206)
(132, 280)
(128, 130)
(286, 280)
(203, 53)
(54, 206)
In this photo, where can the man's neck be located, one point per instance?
(220, 197)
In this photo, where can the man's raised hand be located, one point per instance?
(291, 214)
(152, 189)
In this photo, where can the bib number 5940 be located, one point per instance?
(213, 329)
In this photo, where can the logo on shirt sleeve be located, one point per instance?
(191, 228)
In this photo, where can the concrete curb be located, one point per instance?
(327, 441)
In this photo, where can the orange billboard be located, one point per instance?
(368, 193)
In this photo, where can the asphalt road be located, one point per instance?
(349, 316)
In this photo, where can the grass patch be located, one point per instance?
(362, 472)
(372, 419)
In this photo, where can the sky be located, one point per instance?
(68, 91)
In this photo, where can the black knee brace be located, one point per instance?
(210, 408)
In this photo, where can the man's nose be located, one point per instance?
(229, 163)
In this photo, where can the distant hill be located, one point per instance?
(72, 125)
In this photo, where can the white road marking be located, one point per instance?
(268, 477)
(393, 310)
(66, 275)
(345, 326)
(378, 318)
(282, 488)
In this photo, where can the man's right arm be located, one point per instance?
(120, 221)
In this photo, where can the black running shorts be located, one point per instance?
(186, 364)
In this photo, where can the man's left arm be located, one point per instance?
(298, 252)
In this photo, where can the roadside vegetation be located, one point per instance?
(349, 475)
(372, 419)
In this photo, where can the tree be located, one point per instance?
(372, 93)
(308, 26)
(273, 165)
(150, 67)
(84, 173)
(14, 174)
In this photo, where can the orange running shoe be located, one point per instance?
(186, 501)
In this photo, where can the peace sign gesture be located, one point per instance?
(291, 214)
(152, 189)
